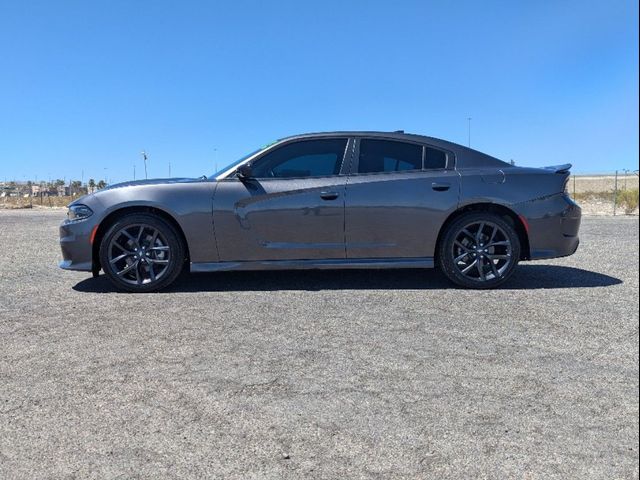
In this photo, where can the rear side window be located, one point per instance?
(388, 156)
(308, 158)
(435, 159)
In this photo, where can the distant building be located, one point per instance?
(7, 190)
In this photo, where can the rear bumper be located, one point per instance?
(75, 243)
(554, 224)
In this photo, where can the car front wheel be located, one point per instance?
(141, 253)
(479, 250)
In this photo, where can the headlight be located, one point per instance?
(78, 212)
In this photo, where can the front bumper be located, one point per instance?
(75, 243)
(553, 224)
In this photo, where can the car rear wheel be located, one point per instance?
(479, 250)
(141, 253)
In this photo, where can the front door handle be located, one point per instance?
(329, 195)
(440, 187)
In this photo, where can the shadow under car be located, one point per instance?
(526, 277)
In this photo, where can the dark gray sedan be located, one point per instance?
(329, 200)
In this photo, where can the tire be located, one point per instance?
(479, 250)
(142, 253)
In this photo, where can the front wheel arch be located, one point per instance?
(505, 212)
(110, 219)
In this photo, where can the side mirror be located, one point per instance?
(244, 172)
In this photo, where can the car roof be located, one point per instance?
(465, 157)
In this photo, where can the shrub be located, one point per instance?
(628, 199)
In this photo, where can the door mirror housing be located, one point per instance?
(244, 172)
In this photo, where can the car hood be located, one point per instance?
(153, 181)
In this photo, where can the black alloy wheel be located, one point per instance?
(479, 250)
(141, 253)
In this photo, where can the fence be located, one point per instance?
(609, 194)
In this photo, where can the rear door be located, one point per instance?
(397, 197)
(291, 209)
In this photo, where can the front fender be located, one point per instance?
(189, 204)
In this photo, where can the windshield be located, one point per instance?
(233, 164)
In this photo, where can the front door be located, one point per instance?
(292, 207)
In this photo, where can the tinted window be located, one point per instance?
(310, 158)
(435, 159)
(388, 156)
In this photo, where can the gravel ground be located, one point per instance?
(356, 374)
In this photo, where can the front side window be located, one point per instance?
(388, 156)
(307, 158)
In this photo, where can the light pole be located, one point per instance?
(469, 132)
(144, 157)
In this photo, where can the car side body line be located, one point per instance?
(365, 263)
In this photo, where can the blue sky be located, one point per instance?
(85, 86)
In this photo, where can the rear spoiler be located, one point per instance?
(559, 168)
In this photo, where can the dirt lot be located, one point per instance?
(596, 194)
(358, 374)
(602, 183)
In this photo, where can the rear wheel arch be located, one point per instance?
(110, 219)
(505, 212)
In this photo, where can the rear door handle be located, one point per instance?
(329, 195)
(440, 187)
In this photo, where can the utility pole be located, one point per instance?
(144, 157)
(469, 132)
(134, 171)
(169, 169)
